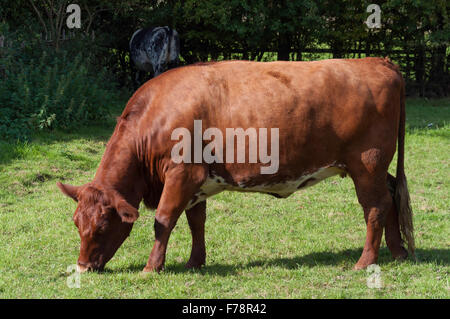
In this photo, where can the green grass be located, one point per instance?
(258, 246)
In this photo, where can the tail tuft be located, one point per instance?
(405, 215)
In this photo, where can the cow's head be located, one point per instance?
(104, 220)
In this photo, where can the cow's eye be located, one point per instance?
(101, 227)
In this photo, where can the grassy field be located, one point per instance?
(258, 246)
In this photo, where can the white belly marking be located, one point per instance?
(216, 184)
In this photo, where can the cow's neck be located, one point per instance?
(120, 170)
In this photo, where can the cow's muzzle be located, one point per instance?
(83, 267)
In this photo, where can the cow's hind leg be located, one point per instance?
(374, 197)
(196, 217)
(369, 173)
(179, 187)
(392, 228)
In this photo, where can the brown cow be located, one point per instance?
(333, 117)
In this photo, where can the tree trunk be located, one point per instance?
(284, 48)
(419, 68)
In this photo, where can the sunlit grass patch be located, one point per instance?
(257, 246)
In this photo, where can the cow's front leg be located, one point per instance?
(179, 187)
(196, 217)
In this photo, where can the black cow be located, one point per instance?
(154, 50)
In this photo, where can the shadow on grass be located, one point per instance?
(324, 258)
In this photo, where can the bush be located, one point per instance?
(53, 91)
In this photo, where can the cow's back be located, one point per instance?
(241, 92)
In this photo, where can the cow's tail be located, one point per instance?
(401, 196)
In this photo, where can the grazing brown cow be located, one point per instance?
(332, 117)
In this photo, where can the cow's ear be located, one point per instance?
(69, 190)
(126, 212)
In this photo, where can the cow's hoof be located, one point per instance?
(359, 267)
(400, 255)
(152, 269)
(363, 264)
(194, 264)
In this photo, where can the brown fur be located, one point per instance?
(344, 115)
